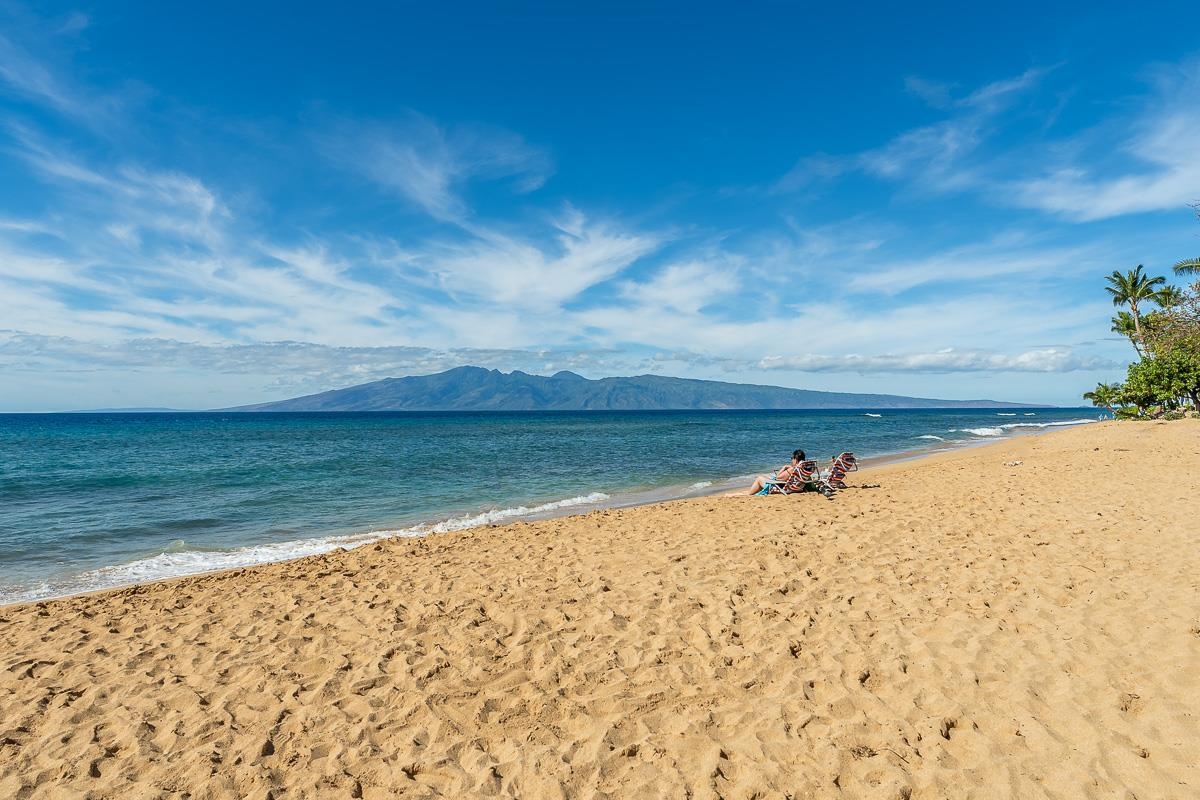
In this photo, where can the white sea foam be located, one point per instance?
(1000, 430)
(931, 436)
(700, 485)
(872, 415)
(1058, 424)
(177, 561)
(489, 517)
(1003, 414)
(984, 431)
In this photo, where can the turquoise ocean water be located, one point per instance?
(90, 501)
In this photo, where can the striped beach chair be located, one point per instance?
(806, 477)
(841, 464)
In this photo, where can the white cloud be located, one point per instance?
(44, 79)
(30, 78)
(996, 96)
(76, 22)
(937, 156)
(686, 287)
(1161, 171)
(934, 157)
(812, 169)
(26, 226)
(933, 93)
(520, 273)
(430, 164)
(133, 197)
(1140, 162)
(1005, 256)
(1050, 359)
(181, 258)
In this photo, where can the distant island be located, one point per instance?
(479, 389)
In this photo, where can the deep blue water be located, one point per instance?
(95, 500)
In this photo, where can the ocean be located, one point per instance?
(92, 501)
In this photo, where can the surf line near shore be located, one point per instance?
(191, 553)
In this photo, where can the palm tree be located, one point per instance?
(1122, 323)
(1105, 394)
(1169, 296)
(1131, 288)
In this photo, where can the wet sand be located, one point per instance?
(1018, 620)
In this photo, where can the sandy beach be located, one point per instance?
(1017, 620)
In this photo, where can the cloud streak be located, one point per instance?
(1164, 141)
(520, 273)
(1050, 359)
(34, 69)
(1131, 164)
(934, 157)
(430, 165)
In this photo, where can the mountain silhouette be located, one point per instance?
(479, 389)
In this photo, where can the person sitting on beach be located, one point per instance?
(780, 475)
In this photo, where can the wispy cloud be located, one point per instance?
(1141, 160)
(687, 287)
(932, 93)
(135, 197)
(1050, 359)
(520, 273)
(1163, 140)
(933, 157)
(182, 257)
(937, 156)
(1013, 255)
(34, 66)
(430, 164)
(29, 78)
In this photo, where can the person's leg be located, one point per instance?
(758, 485)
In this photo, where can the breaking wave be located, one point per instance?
(179, 560)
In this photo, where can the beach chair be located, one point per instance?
(841, 464)
(806, 477)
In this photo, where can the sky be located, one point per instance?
(206, 205)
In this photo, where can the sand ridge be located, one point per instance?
(1019, 620)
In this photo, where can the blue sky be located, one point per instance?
(202, 206)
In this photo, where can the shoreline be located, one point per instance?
(992, 621)
(633, 498)
(350, 540)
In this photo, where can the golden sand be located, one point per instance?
(1020, 620)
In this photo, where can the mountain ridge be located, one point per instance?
(470, 388)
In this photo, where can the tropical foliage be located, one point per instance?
(1123, 324)
(1105, 395)
(1163, 324)
(1134, 288)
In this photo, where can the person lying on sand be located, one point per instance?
(781, 474)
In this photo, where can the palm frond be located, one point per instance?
(1188, 265)
(1168, 296)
